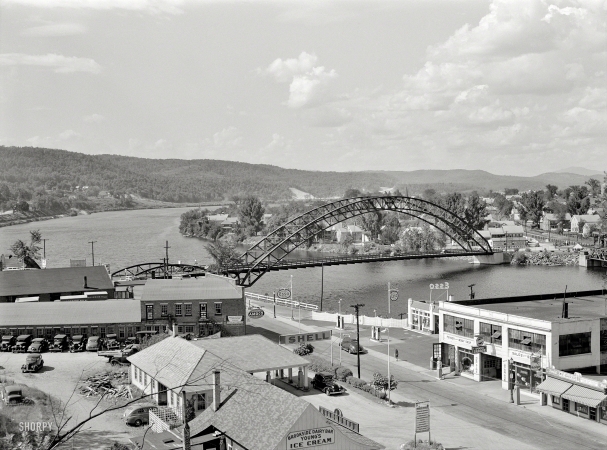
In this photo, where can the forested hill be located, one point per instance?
(207, 180)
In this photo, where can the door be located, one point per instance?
(565, 405)
(162, 394)
(436, 323)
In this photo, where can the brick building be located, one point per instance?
(199, 306)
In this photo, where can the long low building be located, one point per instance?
(95, 318)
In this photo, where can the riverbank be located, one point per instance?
(545, 259)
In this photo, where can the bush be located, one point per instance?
(342, 373)
(421, 445)
(304, 349)
(318, 364)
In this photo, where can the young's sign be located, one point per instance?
(310, 438)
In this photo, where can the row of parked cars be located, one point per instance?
(26, 343)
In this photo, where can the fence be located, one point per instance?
(280, 301)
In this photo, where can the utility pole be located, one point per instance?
(166, 263)
(44, 251)
(356, 308)
(322, 282)
(93, 250)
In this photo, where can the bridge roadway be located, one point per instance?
(286, 264)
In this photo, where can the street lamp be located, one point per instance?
(340, 328)
(387, 331)
(357, 308)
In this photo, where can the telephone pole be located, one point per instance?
(93, 250)
(166, 261)
(44, 251)
(356, 308)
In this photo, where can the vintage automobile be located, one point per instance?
(351, 345)
(11, 395)
(138, 413)
(94, 343)
(38, 345)
(112, 342)
(33, 363)
(78, 343)
(325, 382)
(60, 343)
(8, 342)
(119, 357)
(23, 343)
(144, 335)
(131, 340)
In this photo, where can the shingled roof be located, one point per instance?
(51, 281)
(208, 287)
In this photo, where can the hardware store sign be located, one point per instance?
(310, 438)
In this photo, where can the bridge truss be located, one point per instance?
(270, 253)
(158, 270)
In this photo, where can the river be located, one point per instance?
(124, 238)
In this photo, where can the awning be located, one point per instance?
(526, 341)
(585, 396)
(496, 335)
(553, 386)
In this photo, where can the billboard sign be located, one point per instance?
(304, 337)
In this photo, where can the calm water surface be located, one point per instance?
(124, 238)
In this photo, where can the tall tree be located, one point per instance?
(475, 212)
(455, 203)
(532, 204)
(595, 186)
(551, 191)
(250, 213)
(224, 255)
(21, 250)
(578, 201)
(372, 223)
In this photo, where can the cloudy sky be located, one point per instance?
(508, 86)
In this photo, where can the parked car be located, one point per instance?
(8, 342)
(38, 345)
(119, 357)
(94, 343)
(60, 343)
(325, 382)
(351, 345)
(111, 342)
(78, 343)
(131, 340)
(145, 334)
(23, 343)
(11, 395)
(138, 414)
(33, 363)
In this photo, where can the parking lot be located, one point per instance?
(59, 377)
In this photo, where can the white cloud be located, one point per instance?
(68, 134)
(151, 6)
(307, 81)
(94, 118)
(228, 137)
(59, 63)
(55, 29)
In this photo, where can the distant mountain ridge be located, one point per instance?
(206, 180)
(580, 171)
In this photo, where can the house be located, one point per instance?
(551, 221)
(52, 284)
(229, 404)
(230, 224)
(217, 218)
(515, 237)
(583, 218)
(197, 306)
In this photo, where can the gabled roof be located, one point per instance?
(252, 412)
(588, 218)
(52, 281)
(244, 352)
(511, 229)
(171, 362)
(217, 217)
(209, 287)
(70, 313)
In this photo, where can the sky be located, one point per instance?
(509, 86)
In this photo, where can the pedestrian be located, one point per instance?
(396, 353)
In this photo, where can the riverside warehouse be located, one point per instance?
(485, 342)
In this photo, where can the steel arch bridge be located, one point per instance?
(269, 254)
(158, 270)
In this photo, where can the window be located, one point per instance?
(149, 312)
(189, 328)
(110, 330)
(218, 308)
(129, 331)
(203, 310)
(200, 402)
(40, 332)
(94, 331)
(188, 309)
(178, 308)
(180, 328)
(102, 332)
(145, 379)
(121, 332)
(556, 400)
(48, 332)
(164, 310)
(574, 344)
(527, 341)
(137, 329)
(458, 325)
(491, 333)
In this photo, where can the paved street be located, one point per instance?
(465, 414)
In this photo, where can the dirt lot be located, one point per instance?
(59, 377)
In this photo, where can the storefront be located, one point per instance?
(423, 316)
(575, 394)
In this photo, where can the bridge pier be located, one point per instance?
(585, 260)
(494, 259)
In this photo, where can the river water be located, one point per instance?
(124, 238)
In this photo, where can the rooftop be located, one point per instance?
(551, 310)
(244, 352)
(49, 281)
(208, 287)
(69, 313)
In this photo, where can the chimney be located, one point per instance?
(216, 390)
(565, 310)
(86, 286)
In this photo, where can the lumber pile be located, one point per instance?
(108, 385)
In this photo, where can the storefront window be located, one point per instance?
(527, 378)
(466, 361)
(581, 408)
(458, 325)
(574, 344)
(556, 400)
(527, 341)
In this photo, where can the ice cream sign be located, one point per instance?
(310, 438)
